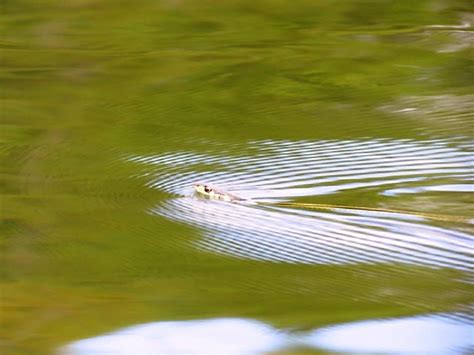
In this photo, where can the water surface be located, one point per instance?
(111, 110)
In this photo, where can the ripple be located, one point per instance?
(444, 188)
(275, 234)
(444, 113)
(281, 170)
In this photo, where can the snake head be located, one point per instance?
(202, 188)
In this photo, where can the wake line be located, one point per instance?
(320, 206)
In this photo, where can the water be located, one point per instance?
(112, 110)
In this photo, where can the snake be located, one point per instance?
(214, 193)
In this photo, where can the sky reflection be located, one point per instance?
(437, 334)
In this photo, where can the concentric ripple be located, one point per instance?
(282, 170)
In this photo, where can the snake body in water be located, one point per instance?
(215, 193)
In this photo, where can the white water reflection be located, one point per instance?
(281, 170)
(304, 168)
(339, 237)
(221, 336)
(420, 335)
(437, 334)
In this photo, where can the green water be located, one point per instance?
(87, 85)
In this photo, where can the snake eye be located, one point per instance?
(207, 189)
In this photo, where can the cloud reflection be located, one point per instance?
(421, 335)
(436, 334)
(223, 336)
